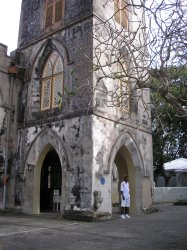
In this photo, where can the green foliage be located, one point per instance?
(96, 67)
(168, 127)
(170, 80)
(72, 72)
(66, 97)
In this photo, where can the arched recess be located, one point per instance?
(46, 140)
(43, 53)
(50, 45)
(50, 182)
(129, 70)
(126, 155)
(35, 72)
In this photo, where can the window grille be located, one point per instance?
(54, 11)
(52, 82)
(57, 88)
(49, 16)
(122, 88)
(58, 11)
(121, 13)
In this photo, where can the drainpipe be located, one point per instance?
(12, 70)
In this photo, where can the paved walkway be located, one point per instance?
(165, 230)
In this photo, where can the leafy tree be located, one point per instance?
(169, 128)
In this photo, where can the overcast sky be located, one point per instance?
(9, 22)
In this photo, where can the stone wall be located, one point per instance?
(71, 139)
(8, 111)
(4, 98)
(32, 22)
(169, 194)
(109, 139)
(77, 71)
(87, 134)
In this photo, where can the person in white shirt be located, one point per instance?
(125, 198)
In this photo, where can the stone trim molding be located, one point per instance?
(127, 140)
(53, 139)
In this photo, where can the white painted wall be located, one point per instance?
(169, 194)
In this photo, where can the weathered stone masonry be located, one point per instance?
(87, 135)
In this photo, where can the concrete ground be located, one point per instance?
(165, 229)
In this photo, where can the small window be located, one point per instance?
(122, 88)
(121, 13)
(52, 82)
(54, 11)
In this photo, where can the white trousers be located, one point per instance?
(126, 202)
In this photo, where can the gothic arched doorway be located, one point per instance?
(50, 182)
(119, 170)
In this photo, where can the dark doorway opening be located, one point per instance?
(119, 170)
(51, 180)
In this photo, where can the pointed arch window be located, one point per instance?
(52, 81)
(121, 12)
(54, 11)
(122, 88)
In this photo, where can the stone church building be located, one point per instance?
(63, 147)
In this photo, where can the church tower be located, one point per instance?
(75, 140)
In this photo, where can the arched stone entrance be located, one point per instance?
(50, 183)
(45, 146)
(119, 170)
(125, 159)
